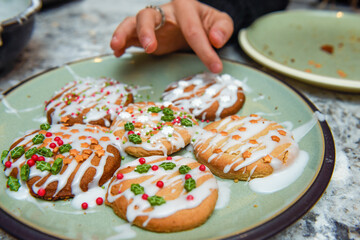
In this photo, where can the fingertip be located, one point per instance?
(115, 43)
(216, 67)
(119, 53)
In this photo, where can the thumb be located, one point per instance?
(220, 30)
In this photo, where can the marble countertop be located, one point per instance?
(82, 29)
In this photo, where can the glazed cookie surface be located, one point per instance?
(59, 162)
(163, 194)
(148, 128)
(207, 96)
(244, 147)
(89, 101)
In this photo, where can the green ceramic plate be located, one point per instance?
(317, 47)
(247, 215)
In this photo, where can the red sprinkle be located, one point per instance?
(145, 196)
(187, 176)
(160, 184)
(84, 205)
(8, 164)
(52, 145)
(41, 158)
(142, 160)
(169, 158)
(190, 197)
(41, 192)
(31, 162)
(60, 142)
(48, 134)
(99, 201)
(120, 176)
(202, 167)
(57, 139)
(154, 167)
(34, 157)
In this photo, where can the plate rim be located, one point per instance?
(348, 85)
(284, 219)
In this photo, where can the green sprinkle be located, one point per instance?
(17, 152)
(46, 152)
(134, 138)
(154, 109)
(137, 189)
(184, 169)
(4, 154)
(56, 167)
(168, 112)
(65, 148)
(143, 168)
(43, 166)
(30, 152)
(39, 138)
(148, 141)
(122, 157)
(13, 184)
(168, 118)
(167, 165)
(156, 200)
(129, 126)
(24, 172)
(45, 126)
(186, 122)
(190, 184)
(193, 140)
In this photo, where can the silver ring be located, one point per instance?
(159, 9)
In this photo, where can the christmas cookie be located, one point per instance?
(146, 129)
(89, 101)
(207, 96)
(244, 147)
(59, 162)
(163, 194)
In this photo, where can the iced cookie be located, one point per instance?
(207, 96)
(58, 162)
(89, 101)
(163, 194)
(244, 147)
(147, 128)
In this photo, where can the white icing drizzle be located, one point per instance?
(153, 137)
(77, 136)
(124, 232)
(237, 142)
(281, 178)
(23, 195)
(304, 129)
(224, 194)
(169, 177)
(284, 175)
(219, 88)
(104, 97)
(89, 197)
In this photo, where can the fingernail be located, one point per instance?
(146, 43)
(114, 38)
(220, 36)
(215, 67)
